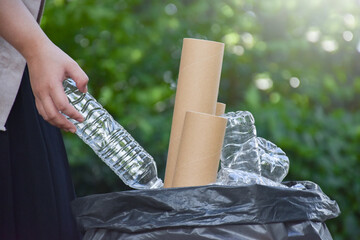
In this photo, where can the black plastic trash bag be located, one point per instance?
(208, 212)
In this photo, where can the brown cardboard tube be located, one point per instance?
(199, 150)
(197, 90)
(220, 108)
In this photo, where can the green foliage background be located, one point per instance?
(131, 51)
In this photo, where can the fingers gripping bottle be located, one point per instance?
(111, 142)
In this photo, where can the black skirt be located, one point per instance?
(35, 183)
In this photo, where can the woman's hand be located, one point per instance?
(48, 67)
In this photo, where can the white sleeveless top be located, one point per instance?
(12, 66)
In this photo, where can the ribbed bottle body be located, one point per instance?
(111, 142)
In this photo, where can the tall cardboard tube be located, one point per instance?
(197, 90)
(220, 108)
(199, 150)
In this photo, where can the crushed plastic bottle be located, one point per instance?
(111, 142)
(274, 163)
(240, 147)
(256, 159)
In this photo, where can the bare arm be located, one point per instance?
(48, 65)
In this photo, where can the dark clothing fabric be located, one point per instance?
(35, 183)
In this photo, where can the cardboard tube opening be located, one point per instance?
(220, 108)
(200, 149)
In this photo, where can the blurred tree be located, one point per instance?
(293, 64)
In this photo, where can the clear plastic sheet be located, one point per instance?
(234, 177)
(248, 159)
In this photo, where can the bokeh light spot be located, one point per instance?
(170, 9)
(231, 38)
(275, 97)
(227, 11)
(160, 106)
(348, 36)
(215, 28)
(238, 50)
(329, 45)
(294, 82)
(313, 35)
(349, 20)
(358, 47)
(84, 42)
(136, 55)
(248, 39)
(263, 83)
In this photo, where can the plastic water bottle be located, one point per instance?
(247, 158)
(111, 142)
(240, 148)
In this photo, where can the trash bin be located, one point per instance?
(208, 212)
